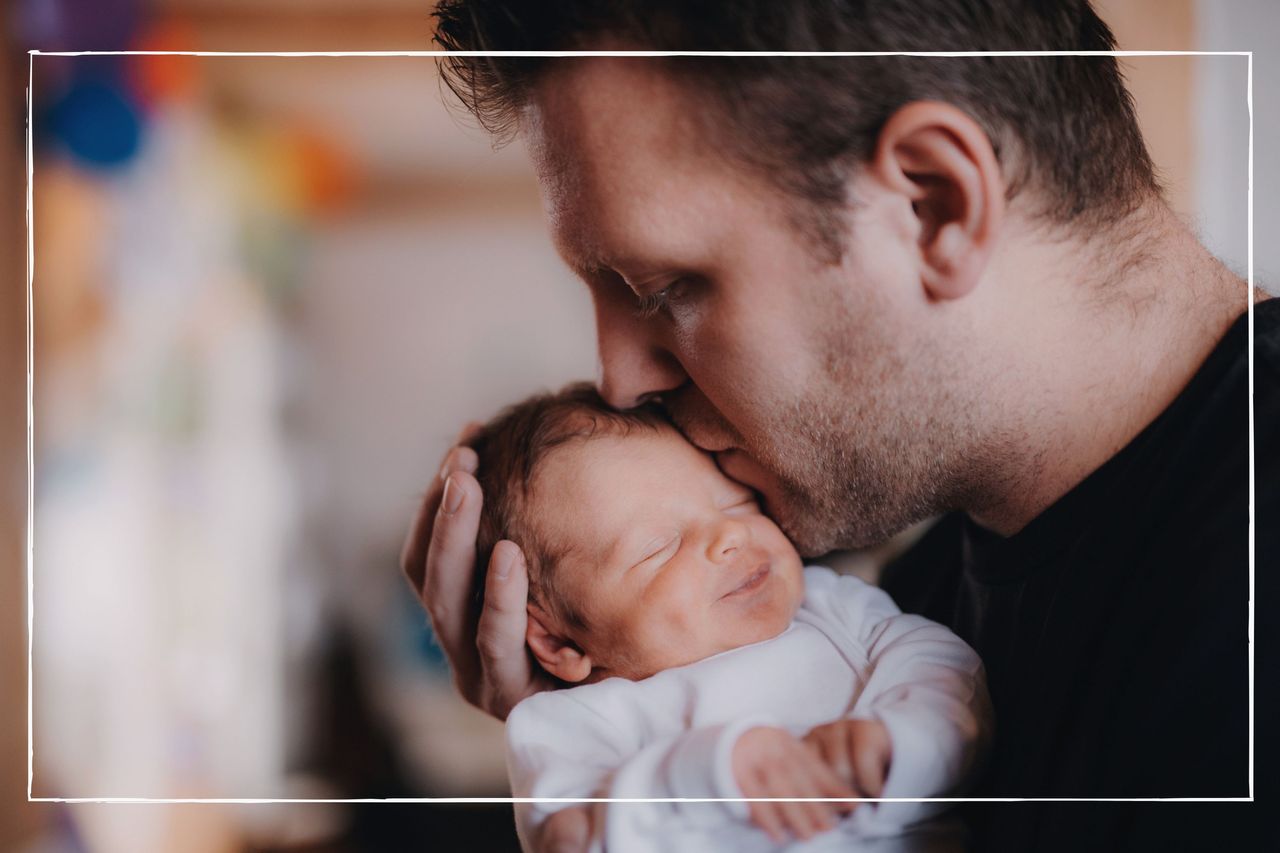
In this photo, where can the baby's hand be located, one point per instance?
(770, 762)
(566, 831)
(859, 751)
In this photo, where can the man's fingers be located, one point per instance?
(468, 433)
(450, 562)
(504, 622)
(567, 831)
(413, 556)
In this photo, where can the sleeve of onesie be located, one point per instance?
(560, 747)
(925, 684)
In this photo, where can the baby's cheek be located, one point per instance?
(671, 636)
(770, 537)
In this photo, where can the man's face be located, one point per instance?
(817, 384)
(668, 561)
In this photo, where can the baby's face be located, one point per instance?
(669, 561)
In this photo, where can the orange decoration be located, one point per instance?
(325, 172)
(159, 79)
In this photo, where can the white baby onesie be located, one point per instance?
(849, 653)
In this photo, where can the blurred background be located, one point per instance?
(268, 292)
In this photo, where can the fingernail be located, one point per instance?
(446, 468)
(452, 497)
(503, 568)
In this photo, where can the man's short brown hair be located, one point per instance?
(1063, 125)
(511, 446)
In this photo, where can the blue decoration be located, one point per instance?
(97, 124)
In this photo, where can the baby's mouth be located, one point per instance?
(753, 581)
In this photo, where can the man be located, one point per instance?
(884, 289)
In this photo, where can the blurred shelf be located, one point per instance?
(322, 25)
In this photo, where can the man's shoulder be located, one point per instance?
(1266, 329)
(1266, 363)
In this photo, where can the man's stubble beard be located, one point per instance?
(881, 438)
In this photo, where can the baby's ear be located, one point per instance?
(558, 655)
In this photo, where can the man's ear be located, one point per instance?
(944, 162)
(557, 654)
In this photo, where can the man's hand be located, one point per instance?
(858, 751)
(486, 649)
(770, 762)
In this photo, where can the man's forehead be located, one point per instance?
(618, 99)
(612, 135)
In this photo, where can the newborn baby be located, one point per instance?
(707, 661)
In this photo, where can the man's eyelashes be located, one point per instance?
(650, 304)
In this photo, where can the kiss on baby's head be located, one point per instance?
(641, 554)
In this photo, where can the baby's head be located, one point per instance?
(641, 554)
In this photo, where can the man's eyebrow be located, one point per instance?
(589, 268)
(593, 265)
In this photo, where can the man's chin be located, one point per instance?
(814, 530)
(784, 509)
(808, 539)
(815, 533)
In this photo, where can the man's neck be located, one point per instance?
(1104, 343)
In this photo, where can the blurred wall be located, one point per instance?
(18, 820)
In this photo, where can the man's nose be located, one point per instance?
(727, 537)
(634, 362)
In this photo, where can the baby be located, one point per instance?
(709, 663)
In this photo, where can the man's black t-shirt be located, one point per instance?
(1115, 626)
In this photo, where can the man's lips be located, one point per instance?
(754, 580)
(708, 443)
(737, 465)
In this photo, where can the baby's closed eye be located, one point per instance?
(659, 548)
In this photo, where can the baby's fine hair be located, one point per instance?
(510, 447)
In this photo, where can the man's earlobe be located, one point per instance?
(556, 653)
(940, 159)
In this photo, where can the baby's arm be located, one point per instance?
(559, 747)
(926, 687)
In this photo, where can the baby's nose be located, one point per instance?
(728, 537)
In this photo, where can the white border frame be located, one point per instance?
(31, 54)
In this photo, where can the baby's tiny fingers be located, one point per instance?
(767, 817)
(823, 815)
(831, 785)
(834, 747)
(870, 757)
(805, 818)
(871, 770)
(797, 818)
